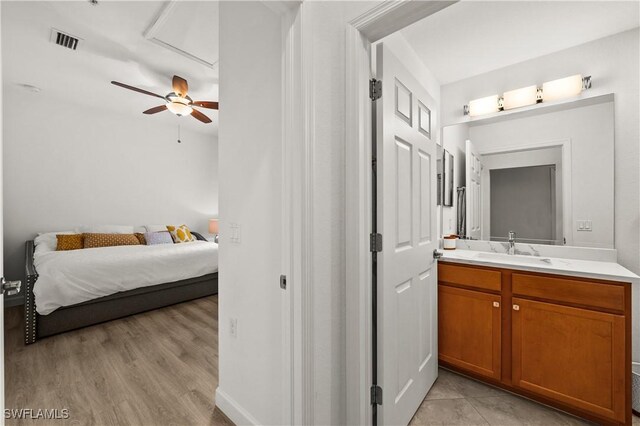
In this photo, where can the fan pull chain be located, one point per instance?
(179, 141)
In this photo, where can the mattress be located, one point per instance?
(69, 277)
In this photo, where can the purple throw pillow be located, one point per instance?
(162, 237)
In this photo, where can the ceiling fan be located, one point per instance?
(178, 102)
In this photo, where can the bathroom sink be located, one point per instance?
(513, 258)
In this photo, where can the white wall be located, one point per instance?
(591, 132)
(613, 63)
(67, 165)
(250, 366)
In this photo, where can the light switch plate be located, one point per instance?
(233, 327)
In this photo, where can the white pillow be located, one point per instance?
(106, 229)
(47, 241)
(156, 228)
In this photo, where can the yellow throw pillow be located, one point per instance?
(109, 240)
(180, 234)
(70, 242)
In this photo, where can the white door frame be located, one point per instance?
(297, 216)
(380, 21)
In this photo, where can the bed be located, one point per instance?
(66, 291)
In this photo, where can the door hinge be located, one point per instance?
(375, 89)
(283, 282)
(376, 395)
(375, 243)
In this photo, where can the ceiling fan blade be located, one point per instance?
(206, 104)
(135, 89)
(200, 116)
(155, 109)
(180, 86)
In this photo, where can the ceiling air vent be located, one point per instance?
(64, 39)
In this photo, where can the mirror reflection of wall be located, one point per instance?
(523, 193)
(524, 198)
(448, 179)
(547, 175)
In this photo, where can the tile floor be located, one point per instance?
(457, 400)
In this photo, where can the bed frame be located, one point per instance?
(110, 307)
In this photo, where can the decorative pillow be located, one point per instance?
(69, 241)
(47, 241)
(153, 238)
(181, 234)
(92, 240)
(106, 229)
(155, 228)
(140, 237)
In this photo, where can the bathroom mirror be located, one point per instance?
(447, 179)
(548, 176)
(439, 173)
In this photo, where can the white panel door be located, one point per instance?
(407, 272)
(473, 173)
(1, 271)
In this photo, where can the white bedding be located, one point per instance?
(69, 277)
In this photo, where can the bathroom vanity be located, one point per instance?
(554, 330)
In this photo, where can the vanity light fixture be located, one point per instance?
(564, 88)
(550, 91)
(520, 97)
(485, 105)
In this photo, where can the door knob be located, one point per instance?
(437, 254)
(10, 288)
(516, 307)
(496, 304)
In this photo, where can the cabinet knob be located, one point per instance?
(516, 307)
(496, 304)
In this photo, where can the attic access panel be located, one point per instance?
(189, 29)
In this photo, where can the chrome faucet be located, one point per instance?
(512, 242)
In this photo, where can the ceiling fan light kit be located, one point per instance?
(178, 105)
(177, 102)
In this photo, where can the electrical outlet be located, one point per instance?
(233, 327)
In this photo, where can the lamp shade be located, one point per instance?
(213, 226)
(484, 106)
(562, 88)
(520, 97)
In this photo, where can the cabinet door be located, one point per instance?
(469, 327)
(575, 356)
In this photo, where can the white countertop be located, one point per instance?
(572, 267)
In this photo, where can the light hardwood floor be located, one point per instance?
(155, 368)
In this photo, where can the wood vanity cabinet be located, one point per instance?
(469, 322)
(561, 340)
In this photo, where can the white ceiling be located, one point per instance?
(474, 37)
(113, 47)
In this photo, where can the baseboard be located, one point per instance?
(233, 410)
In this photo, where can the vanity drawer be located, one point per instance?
(466, 276)
(593, 294)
